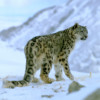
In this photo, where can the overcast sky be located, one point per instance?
(15, 12)
(10, 7)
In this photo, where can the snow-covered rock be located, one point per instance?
(74, 86)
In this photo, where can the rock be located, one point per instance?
(94, 96)
(74, 86)
(47, 96)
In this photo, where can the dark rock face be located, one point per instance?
(94, 96)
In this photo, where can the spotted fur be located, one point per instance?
(43, 51)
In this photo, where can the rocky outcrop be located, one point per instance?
(74, 86)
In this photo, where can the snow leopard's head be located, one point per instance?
(80, 31)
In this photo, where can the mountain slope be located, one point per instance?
(52, 19)
(86, 56)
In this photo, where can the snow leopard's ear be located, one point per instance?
(75, 26)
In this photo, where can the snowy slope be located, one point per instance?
(86, 56)
(12, 67)
(54, 91)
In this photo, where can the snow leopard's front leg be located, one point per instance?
(64, 63)
(58, 72)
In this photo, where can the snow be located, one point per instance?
(12, 67)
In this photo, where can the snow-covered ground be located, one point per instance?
(12, 67)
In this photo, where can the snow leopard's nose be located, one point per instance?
(84, 38)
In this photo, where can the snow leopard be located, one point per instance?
(41, 52)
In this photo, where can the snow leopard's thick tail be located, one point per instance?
(12, 84)
(30, 69)
(28, 77)
(26, 80)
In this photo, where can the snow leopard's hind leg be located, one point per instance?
(45, 70)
